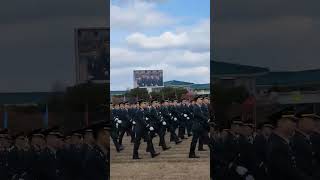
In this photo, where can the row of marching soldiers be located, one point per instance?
(287, 146)
(142, 120)
(48, 154)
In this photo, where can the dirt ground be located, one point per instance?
(172, 164)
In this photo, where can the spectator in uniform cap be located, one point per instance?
(302, 145)
(281, 162)
(96, 164)
(315, 139)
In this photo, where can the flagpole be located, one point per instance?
(46, 117)
(5, 118)
(87, 115)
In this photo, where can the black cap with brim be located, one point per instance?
(100, 126)
(37, 133)
(196, 98)
(17, 135)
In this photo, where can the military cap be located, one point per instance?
(280, 115)
(265, 124)
(37, 133)
(251, 125)
(197, 97)
(77, 132)
(237, 120)
(4, 133)
(18, 134)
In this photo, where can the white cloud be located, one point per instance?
(181, 65)
(167, 39)
(138, 15)
(124, 57)
(196, 37)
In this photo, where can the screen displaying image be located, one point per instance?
(148, 78)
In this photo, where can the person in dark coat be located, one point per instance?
(96, 161)
(198, 126)
(142, 129)
(125, 122)
(281, 161)
(302, 145)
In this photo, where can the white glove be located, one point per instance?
(170, 114)
(133, 122)
(159, 112)
(185, 115)
(119, 121)
(241, 170)
(249, 177)
(151, 128)
(147, 118)
(188, 118)
(175, 119)
(164, 123)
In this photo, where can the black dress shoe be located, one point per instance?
(155, 155)
(178, 142)
(202, 149)
(193, 156)
(189, 135)
(136, 157)
(165, 148)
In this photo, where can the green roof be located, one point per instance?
(177, 83)
(219, 69)
(200, 86)
(289, 78)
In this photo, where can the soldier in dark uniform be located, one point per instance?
(96, 162)
(183, 114)
(165, 112)
(281, 161)
(302, 145)
(142, 129)
(115, 124)
(37, 146)
(175, 118)
(198, 126)
(187, 110)
(125, 121)
(205, 111)
(20, 158)
(158, 123)
(4, 153)
(260, 145)
(50, 158)
(315, 138)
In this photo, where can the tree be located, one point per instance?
(138, 93)
(173, 93)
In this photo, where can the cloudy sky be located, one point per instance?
(279, 34)
(172, 35)
(37, 40)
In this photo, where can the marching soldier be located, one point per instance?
(142, 129)
(158, 123)
(125, 121)
(165, 112)
(198, 127)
